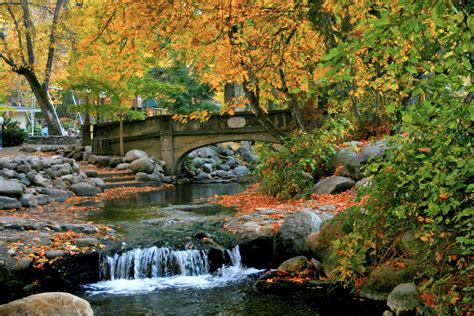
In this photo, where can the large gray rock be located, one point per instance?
(247, 154)
(98, 182)
(115, 161)
(203, 176)
(295, 264)
(91, 173)
(294, 231)
(134, 154)
(56, 195)
(241, 171)
(403, 298)
(123, 166)
(28, 200)
(53, 303)
(206, 152)
(40, 181)
(333, 185)
(10, 188)
(197, 162)
(223, 167)
(8, 203)
(84, 189)
(142, 165)
(206, 167)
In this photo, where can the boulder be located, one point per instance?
(122, 166)
(333, 185)
(24, 168)
(115, 161)
(28, 200)
(294, 265)
(223, 167)
(142, 165)
(93, 159)
(98, 182)
(134, 154)
(84, 189)
(247, 155)
(241, 171)
(206, 152)
(203, 176)
(56, 195)
(294, 231)
(104, 161)
(384, 278)
(7, 173)
(53, 303)
(54, 253)
(8, 203)
(91, 173)
(206, 167)
(403, 298)
(197, 162)
(40, 181)
(78, 156)
(11, 188)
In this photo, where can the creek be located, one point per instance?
(163, 267)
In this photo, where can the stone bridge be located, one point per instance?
(171, 140)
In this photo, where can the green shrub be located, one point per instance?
(423, 185)
(13, 135)
(292, 170)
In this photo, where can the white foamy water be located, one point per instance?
(150, 269)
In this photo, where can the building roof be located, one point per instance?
(20, 109)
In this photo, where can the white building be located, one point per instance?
(21, 114)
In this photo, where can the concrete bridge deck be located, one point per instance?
(171, 140)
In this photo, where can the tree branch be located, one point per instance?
(17, 28)
(52, 42)
(8, 61)
(28, 31)
(103, 29)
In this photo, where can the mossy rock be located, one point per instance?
(382, 279)
(411, 247)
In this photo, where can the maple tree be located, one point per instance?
(33, 44)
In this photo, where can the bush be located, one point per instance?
(292, 171)
(13, 135)
(424, 186)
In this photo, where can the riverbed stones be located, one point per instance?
(9, 203)
(293, 233)
(10, 188)
(403, 298)
(115, 161)
(144, 164)
(53, 303)
(333, 185)
(84, 189)
(134, 154)
(295, 264)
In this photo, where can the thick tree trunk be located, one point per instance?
(52, 120)
(262, 117)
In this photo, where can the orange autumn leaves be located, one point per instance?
(249, 200)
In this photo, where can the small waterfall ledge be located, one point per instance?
(157, 262)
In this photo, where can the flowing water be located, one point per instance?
(159, 270)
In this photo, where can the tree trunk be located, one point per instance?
(122, 151)
(52, 120)
(261, 115)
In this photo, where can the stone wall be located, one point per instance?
(54, 140)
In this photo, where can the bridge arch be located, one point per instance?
(183, 148)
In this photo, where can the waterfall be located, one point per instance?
(154, 262)
(235, 257)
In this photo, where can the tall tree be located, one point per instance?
(32, 44)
